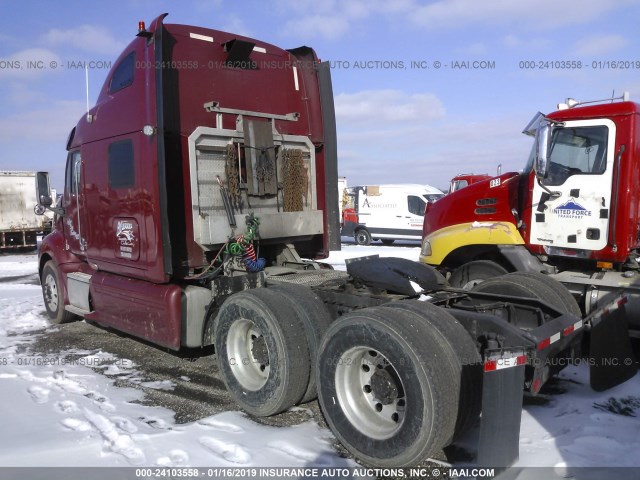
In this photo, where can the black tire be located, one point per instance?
(409, 377)
(261, 351)
(556, 289)
(316, 319)
(530, 286)
(472, 273)
(387, 241)
(467, 362)
(363, 237)
(53, 296)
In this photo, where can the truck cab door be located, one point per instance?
(576, 214)
(71, 201)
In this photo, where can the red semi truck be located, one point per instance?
(574, 211)
(195, 187)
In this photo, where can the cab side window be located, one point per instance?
(123, 74)
(460, 184)
(72, 174)
(416, 205)
(121, 166)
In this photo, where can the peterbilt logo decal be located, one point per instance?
(571, 209)
(124, 232)
(126, 239)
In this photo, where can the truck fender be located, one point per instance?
(437, 246)
(196, 302)
(395, 274)
(208, 337)
(521, 259)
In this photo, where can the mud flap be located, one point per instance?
(502, 390)
(610, 349)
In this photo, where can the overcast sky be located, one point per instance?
(400, 118)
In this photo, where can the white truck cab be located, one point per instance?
(386, 212)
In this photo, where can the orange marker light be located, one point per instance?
(141, 26)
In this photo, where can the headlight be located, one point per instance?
(426, 249)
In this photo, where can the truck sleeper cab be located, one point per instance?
(163, 171)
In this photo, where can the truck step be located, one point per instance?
(76, 310)
(78, 290)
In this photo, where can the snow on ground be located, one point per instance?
(50, 409)
(579, 427)
(55, 409)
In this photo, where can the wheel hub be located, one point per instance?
(370, 392)
(51, 292)
(259, 350)
(383, 387)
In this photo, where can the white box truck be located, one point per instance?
(19, 225)
(386, 212)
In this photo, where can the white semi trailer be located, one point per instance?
(19, 225)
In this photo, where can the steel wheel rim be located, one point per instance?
(370, 392)
(243, 341)
(51, 292)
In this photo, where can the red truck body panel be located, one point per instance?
(483, 202)
(513, 190)
(137, 307)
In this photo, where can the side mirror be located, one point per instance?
(43, 189)
(543, 137)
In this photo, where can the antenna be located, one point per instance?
(86, 83)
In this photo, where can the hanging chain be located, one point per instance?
(265, 169)
(295, 182)
(233, 176)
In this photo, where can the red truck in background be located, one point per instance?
(195, 187)
(574, 212)
(463, 180)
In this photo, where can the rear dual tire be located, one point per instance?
(385, 386)
(266, 342)
(473, 273)
(262, 352)
(532, 285)
(315, 317)
(462, 354)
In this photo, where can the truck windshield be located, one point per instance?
(457, 185)
(577, 150)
